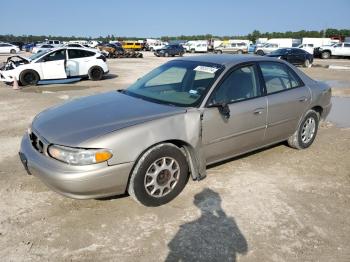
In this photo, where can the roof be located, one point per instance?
(226, 59)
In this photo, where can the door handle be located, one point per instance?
(302, 99)
(258, 111)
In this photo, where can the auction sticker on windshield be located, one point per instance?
(206, 69)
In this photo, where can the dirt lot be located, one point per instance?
(278, 204)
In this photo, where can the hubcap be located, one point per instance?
(162, 176)
(308, 130)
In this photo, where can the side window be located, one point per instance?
(173, 75)
(278, 77)
(346, 45)
(241, 84)
(76, 53)
(57, 55)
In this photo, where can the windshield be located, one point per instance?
(37, 55)
(179, 83)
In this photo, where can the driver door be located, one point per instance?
(244, 128)
(53, 65)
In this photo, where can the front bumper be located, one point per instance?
(80, 182)
(5, 77)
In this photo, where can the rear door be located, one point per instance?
(53, 65)
(79, 62)
(244, 128)
(287, 98)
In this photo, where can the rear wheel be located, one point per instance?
(193, 51)
(166, 54)
(219, 51)
(13, 51)
(239, 52)
(260, 52)
(306, 133)
(95, 73)
(159, 175)
(29, 78)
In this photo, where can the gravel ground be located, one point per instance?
(278, 204)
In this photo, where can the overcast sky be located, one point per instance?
(150, 18)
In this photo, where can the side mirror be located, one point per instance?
(223, 108)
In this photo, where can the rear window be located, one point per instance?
(76, 53)
(278, 77)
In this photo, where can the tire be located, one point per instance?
(307, 63)
(29, 78)
(13, 51)
(306, 132)
(260, 52)
(166, 54)
(160, 189)
(219, 51)
(95, 73)
(193, 51)
(181, 54)
(325, 55)
(239, 52)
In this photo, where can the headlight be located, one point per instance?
(79, 156)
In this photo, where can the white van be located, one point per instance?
(274, 44)
(198, 46)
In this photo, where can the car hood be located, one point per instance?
(74, 122)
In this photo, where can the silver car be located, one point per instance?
(148, 139)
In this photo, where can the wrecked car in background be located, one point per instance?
(148, 139)
(60, 63)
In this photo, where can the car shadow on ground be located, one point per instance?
(247, 154)
(110, 76)
(212, 237)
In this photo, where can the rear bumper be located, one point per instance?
(326, 111)
(80, 182)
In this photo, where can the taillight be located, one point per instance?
(102, 57)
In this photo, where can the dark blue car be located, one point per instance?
(295, 56)
(170, 50)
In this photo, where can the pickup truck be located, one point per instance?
(341, 49)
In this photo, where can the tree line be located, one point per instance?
(253, 36)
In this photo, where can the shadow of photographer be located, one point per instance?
(212, 237)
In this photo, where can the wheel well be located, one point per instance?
(186, 148)
(318, 109)
(27, 70)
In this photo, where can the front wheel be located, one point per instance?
(29, 78)
(260, 52)
(306, 133)
(325, 55)
(307, 63)
(239, 52)
(159, 175)
(13, 51)
(166, 54)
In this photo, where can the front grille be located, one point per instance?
(36, 142)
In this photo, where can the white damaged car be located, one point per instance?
(59, 63)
